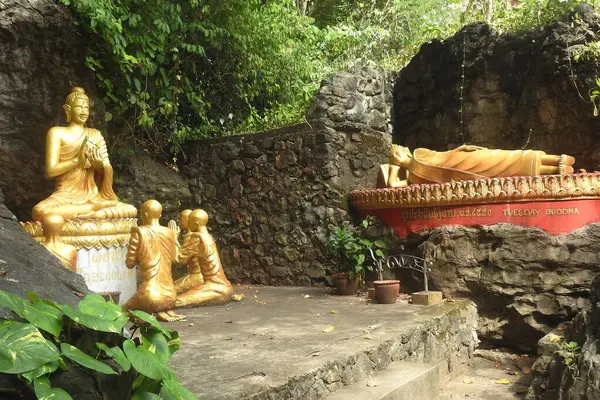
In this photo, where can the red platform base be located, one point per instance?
(554, 217)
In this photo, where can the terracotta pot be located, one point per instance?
(371, 293)
(345, 286)
(108, 296)
(386, 292)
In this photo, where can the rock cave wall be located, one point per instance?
(41, 56)
(561, 374)
(521, 90)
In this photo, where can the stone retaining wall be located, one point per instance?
(271, 196)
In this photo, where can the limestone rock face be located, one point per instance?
(573, 375)
(41, 57)
(519, 90)
(524, 281)
(351, 101)
(25, 266)
(140, 178)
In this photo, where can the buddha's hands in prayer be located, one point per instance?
(174, 227)
(94, 156)
(81, 157)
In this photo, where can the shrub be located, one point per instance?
(52, 340)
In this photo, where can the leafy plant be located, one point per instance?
(572, 350)
(51, 338)
(351, 250)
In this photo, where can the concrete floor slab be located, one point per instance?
(290, 342)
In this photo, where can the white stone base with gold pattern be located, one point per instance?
(102, 247)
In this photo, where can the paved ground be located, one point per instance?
(229, 352)
(499, 376)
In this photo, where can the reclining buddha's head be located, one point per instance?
(400, 155)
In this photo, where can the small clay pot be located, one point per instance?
(371, 293)
(345, 286)
(386, 292)
(108, 296)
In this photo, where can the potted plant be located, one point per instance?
(386, 291)
(350, 252)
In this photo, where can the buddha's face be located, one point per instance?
(79, 110)
(400, 156)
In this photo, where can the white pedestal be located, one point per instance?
(104, 270)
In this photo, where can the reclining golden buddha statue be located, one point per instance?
(78, 158)
(467, 163)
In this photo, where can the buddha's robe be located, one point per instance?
(66, 254)
(81, 187)
(152, 249)
(199, 252)
(428, 166)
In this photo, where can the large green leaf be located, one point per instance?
(144, 384)
(156, 342)
(145, 362)
(23, 348)
(149, 319)
(173, 390)
(44, 316)
(94, 304)
(116, 354)
(94, 322)
(12, 301)
(44, 391)
(81, 358)
(174, 343)
(40, 313)
(145, 396)
(43, 370)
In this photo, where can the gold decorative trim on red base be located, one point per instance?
(88, 233)
(492, 190)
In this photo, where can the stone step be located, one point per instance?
(400, 381)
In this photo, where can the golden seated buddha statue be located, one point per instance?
(78, 158)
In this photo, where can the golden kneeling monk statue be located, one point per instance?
(193, 278)
(199, 252)
(52, 225)
(152, 249)
(77, 157)
(467, 163)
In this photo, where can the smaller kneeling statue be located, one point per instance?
(199, 252)
(152, 248)
(467, 163)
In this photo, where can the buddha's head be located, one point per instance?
(151, 211)
(183, 218)
(400, 155)
(52, 225)
(77, 106)
(197, 220)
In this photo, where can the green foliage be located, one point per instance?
(351, 250)
(572, 352)
(37, 348)
(531, 14)
(173, 71)
(199, 68)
